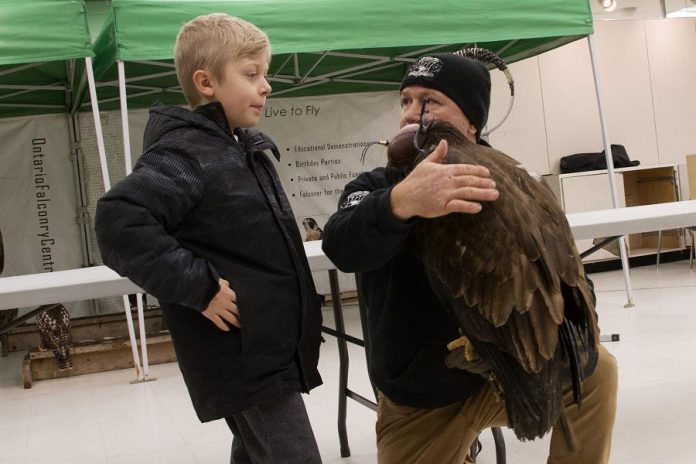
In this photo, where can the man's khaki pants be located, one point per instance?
(444, 435)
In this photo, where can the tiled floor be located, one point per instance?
(102, 418)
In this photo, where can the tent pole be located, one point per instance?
(107, 186)
(143, 338)
(124, 116)
(610, 165)
(133, 340)
(129, 168)
(97, 123)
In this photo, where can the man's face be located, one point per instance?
(242, 90)
(440, 107)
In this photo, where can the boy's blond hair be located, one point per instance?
(211, 41)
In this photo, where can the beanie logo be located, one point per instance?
(427, 67)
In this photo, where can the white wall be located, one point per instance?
(526, 121)
(647, 69)
(672, 55)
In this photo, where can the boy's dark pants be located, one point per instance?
(276, 431)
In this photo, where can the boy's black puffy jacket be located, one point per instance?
(201, 205)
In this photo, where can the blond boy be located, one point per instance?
(203, 224)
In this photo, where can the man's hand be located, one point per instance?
(222, 309)
(434, 189)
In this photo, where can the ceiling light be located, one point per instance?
(608, 5)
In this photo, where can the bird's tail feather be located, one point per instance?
(535, 400)
(568, 343)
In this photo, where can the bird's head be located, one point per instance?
(402, 150)
(414, 142)
(309, 223)
(439, 130)
(406, 145)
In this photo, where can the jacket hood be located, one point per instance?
(210, 118)
(166, 118)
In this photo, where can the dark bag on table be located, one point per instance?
(595, 161)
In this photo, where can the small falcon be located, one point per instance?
(312, 229)
(55, 332)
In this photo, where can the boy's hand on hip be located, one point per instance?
(222, 309)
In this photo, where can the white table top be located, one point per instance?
(100, 281)
(95, 282)
(633, 220)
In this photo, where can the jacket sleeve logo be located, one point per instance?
(353, 199)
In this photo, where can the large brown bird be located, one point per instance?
(512, 277)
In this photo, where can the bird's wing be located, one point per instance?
(509, 263)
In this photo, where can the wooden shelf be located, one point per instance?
(88, 358)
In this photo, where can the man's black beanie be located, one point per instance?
(467, 82)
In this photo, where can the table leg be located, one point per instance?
(343, 363)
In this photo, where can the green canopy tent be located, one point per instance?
(46, 67)
(45, 64)
(331, 46)
(41, 64)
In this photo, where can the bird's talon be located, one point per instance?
(461, 341)
(464, 342)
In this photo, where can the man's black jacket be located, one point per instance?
(201, 205)
(408, 327)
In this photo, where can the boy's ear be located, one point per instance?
(203, 82)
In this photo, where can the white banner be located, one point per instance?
(321, 140)
(38, 202)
